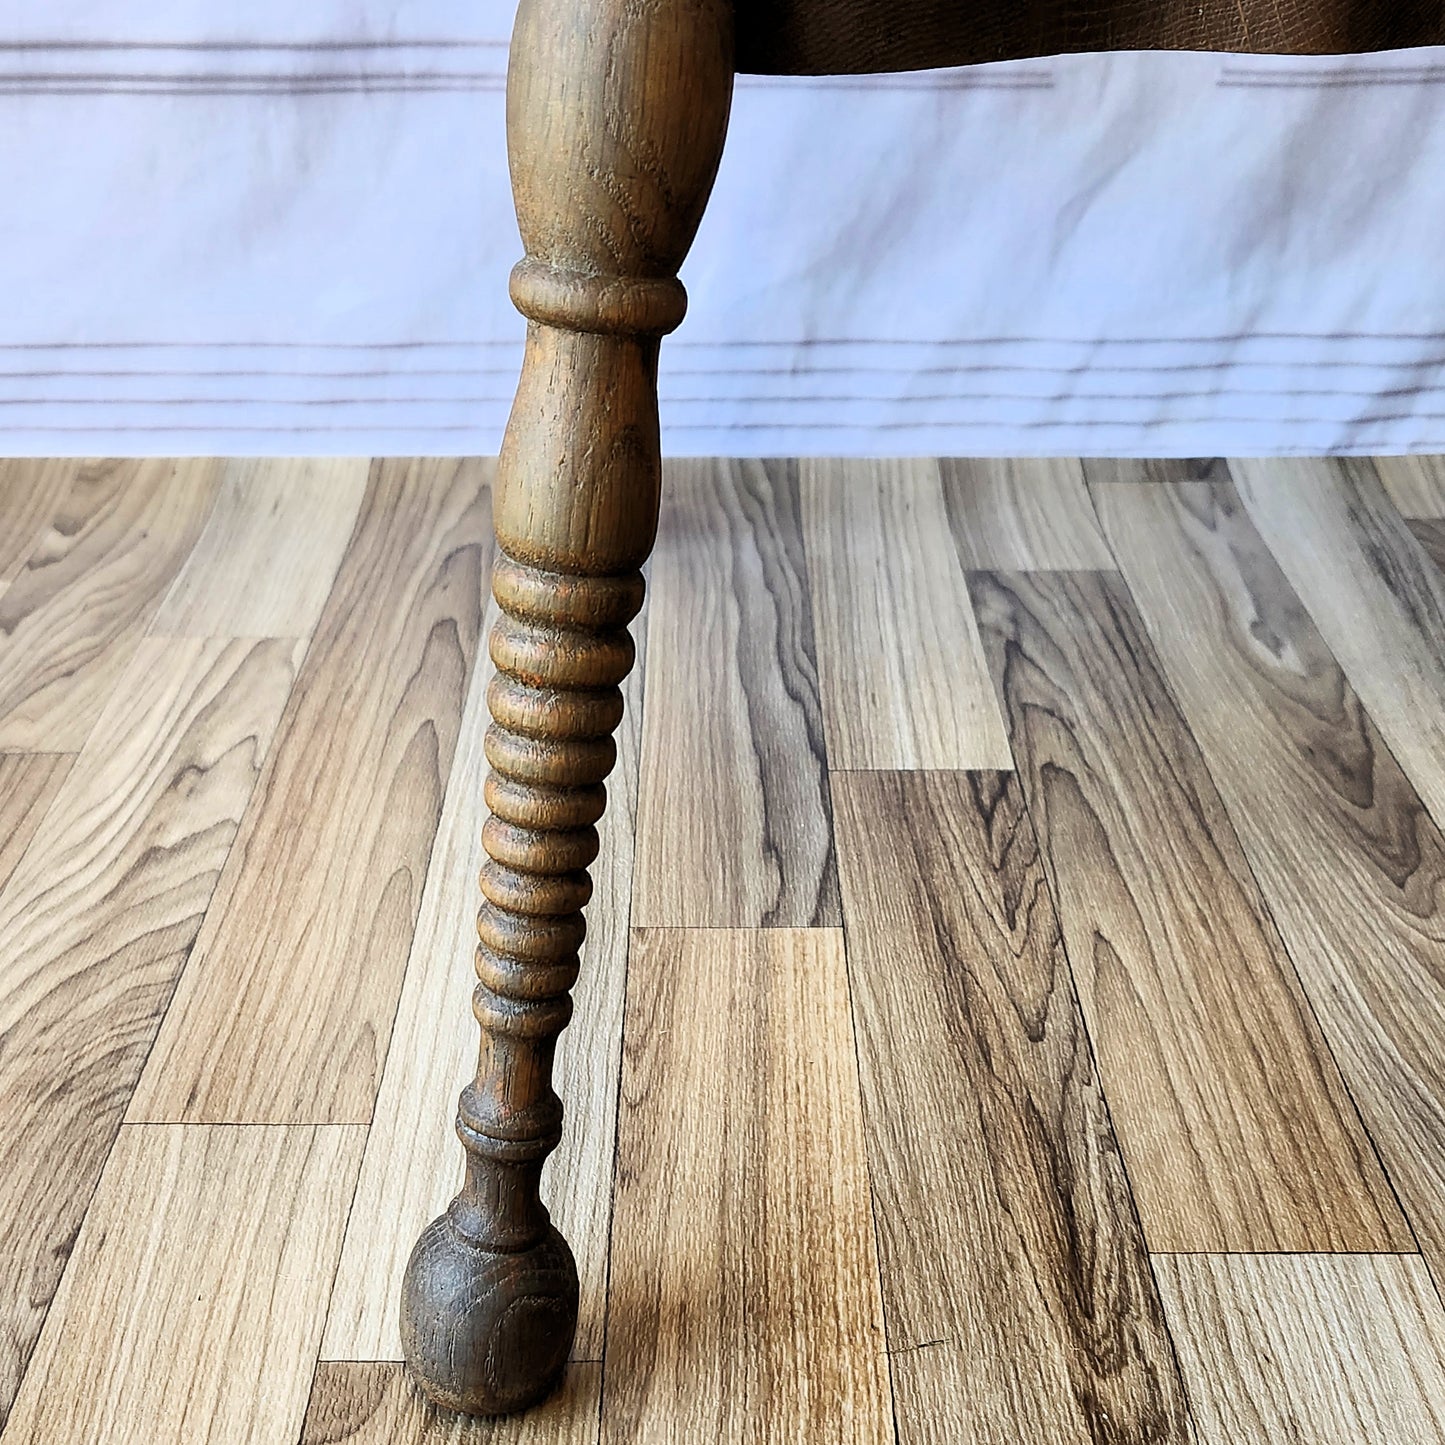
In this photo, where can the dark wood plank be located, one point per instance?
(30, 492)
(95, 925)
(1371, 591)
(378, 1404)
(734, 827)
(71, 619)
(1233, 1120)
(28, 784)
(1017, 1291)
(286, 1005)
(1352, 864)
(743, 1295)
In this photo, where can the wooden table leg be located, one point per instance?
(616, 112)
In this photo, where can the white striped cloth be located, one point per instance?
(291, 234)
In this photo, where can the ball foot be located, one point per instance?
(487, 1333)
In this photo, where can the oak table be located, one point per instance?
(616, 112)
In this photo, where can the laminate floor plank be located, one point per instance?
(30, 492)
(413, 1162)
(286, 1005)
(270, 551)
(734, 828)
(1372, 592)
(28, 784)
(1313, 1349)
(95, 925)
(744, 1298)
(1018, 1297)
(194, 1302)
(1020, 515)
(903, 680)
(74, 613)
(1234, 1123)
(377, 1404)
(1416, 485)
(1348, 857)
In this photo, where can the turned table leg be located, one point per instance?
(616, 111)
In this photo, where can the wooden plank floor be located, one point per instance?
(1034, 1034)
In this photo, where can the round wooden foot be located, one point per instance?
(487, 1333)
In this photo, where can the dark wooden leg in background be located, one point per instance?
(616, 111)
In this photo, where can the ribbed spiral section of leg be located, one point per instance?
(561, 648)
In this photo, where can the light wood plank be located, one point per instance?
(30, 491)
(1372, 592)
(377, 1404)
(1021, 515)
(286, 1005)
(734, 827)
(71, 619)
(270, 552)
(95, 925)
(192, 1308)
(744, 1286)
(1313, 1349)
(1416, 485)
(28, 784)
(413, 1163)
(1017, 1291)
(903, 680)
(1233, 1120)
(1349, 859)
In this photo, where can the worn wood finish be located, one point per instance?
(270, 551)
(1314, 1349)
(1231, 1114)
(379, 1404)
(734, 728)
(1016, 1287)
(30, 492)
(615, 123)
(28, 784)
(412, 1168)
(903, 680)
(95, 925)
(192, 1307)
(1416, 485)
(1349, 859)
(1372, 592)
(327, 873)
(744, 1284)
(71, 618)
(1019, 515)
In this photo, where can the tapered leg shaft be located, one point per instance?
(616, 112)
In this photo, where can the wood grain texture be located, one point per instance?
(734, 828)
(30, 491)
(1232, 1117)
(1416, 485)
(1430, 534)
(28, 784)
(286, 1005)
(903, 680)
(192, 1307)
(71, 619)
(1349, 859)
(1017, 1291)
(378, 1404)
(1314, 1349)
(1372, 593)
(412, 1166)
(95, 926)
(1029, 514)
(744, 1297)
(270, 551)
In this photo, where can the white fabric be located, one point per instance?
(291, 234)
